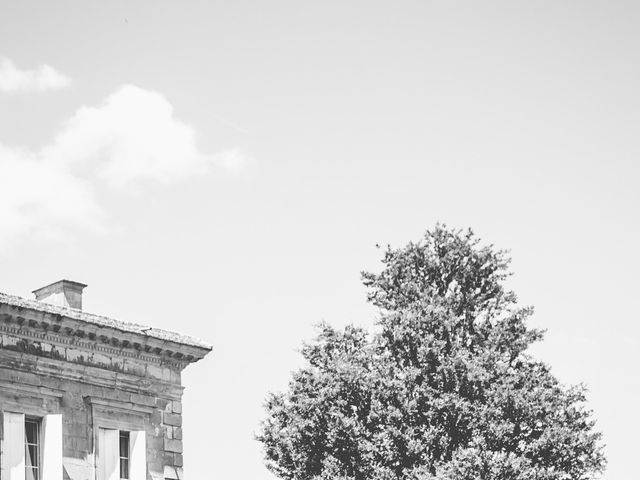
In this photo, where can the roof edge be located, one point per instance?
(103, 321)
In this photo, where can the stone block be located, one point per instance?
(146, 400)
(162, 403)
(172, 419)
(173, 473)
(171, 445)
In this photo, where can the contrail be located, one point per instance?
(231, 124)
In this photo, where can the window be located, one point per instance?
(121, 454)
(124, 455)
(32, 445)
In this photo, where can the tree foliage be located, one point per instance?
(443, 390)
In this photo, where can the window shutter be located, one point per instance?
(108, 454)
(13, 446)
(52, 447)
(138, 452)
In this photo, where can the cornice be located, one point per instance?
(113, 346)
(91, 320)
(63, 330)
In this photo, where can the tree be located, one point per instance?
(443, 389)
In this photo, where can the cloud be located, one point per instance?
(43, 78)
(39, 199)
(132, 138)
(231, 158)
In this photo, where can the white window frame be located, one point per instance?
(124, 434)
(36, 470)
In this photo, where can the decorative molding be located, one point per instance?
(102, 416)
(89, 346)
(118, 405)
(32, 400)
(68, 326)
(32, 391)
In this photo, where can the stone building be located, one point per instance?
(86, 397)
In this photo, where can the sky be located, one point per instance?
(226, 169)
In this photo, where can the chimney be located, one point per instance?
(63, 293)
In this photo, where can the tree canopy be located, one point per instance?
(443, 389)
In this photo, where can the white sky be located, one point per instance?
(225, 169)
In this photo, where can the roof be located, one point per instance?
(102, 321)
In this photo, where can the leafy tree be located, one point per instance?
(444, 388)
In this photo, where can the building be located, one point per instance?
(86, 397)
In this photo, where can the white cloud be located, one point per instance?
(132, 137)
(43, 78)
(231, 158)
(39, 199)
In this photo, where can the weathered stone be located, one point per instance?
(172, 419)
(97, 373)
(174, 446)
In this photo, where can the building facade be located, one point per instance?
(86, 397)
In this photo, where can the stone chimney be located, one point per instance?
(63, 293)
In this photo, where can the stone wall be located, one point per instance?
(95, 377)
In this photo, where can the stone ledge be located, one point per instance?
(52, 316)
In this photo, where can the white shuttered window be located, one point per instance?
(13, 458)
(108, 459)
(52, 447)
(116, 464)
(138, 456)
(31, 447)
